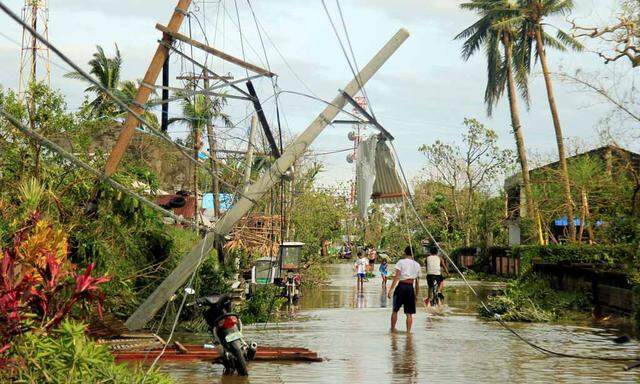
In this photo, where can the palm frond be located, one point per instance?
(569, 41)
(550, 41)
(496, 73)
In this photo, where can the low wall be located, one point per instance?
(610, 290)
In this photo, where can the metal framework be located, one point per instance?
(32, 52)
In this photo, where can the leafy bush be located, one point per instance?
(606, 255)
(531, 299)
(67, 356)
(261, 306)
(39, 287)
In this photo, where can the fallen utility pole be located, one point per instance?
(190, 262)
(131, 121)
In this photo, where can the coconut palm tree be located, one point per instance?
(492, 33)
(107, 71)
(199, 112)
(533, 34)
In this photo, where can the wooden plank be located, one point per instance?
(131, 121)
(225, 56)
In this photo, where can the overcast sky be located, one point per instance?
(422, 94)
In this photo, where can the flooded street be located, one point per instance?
(352, 332)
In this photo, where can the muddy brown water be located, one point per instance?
(351, 331)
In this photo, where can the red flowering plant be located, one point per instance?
(39, 286)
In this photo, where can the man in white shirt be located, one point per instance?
(361, 269)
(407, 275)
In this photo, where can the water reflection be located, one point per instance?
(403, 358)
(383, 297)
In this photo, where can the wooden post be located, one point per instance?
(215, 185)
(213, 51)
(131, 122)
(190, 262)
(249, 157)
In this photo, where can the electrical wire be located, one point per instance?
(80, 164)
(353, 56)
(496, 316)
(177, 317)
(344, 51)
(106, 91)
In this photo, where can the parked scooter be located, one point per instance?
(226, 329)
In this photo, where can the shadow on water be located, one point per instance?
(350, 329)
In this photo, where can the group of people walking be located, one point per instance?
(405, 287)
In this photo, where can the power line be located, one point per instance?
(107, 92)
(496, 316)
(355, 62)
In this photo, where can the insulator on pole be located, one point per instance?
(350, 158)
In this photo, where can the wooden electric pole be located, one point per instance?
(248, 161)
(215, 185)
(159, 58)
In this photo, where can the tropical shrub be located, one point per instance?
(262, 305)
(66, 355)
(39, 287)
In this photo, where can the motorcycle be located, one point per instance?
(226, 329)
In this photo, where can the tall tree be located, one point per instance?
(493, 33)
(468, 170)
(533, 34)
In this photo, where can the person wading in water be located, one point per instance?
(404, 295)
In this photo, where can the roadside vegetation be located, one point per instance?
(531, 299)
(124, 250)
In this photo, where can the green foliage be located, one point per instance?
(457, 198)
(263, 305)
(531, 299)
(615, 255)
(68, 356)
(317, 216)
(608, 189)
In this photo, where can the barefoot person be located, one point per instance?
(360, 268)
(384, 272)
(404, 295)
(435, 267)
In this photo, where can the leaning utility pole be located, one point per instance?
(248, 161)
(190, 262)
(159, 58)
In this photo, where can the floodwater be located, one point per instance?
(351, 331)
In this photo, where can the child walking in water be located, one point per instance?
(384, 272)
(360, 267)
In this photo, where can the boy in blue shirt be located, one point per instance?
(384, 272)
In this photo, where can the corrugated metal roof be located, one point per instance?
(387, 188)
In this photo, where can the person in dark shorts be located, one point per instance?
(405, 288)
(435, 267)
